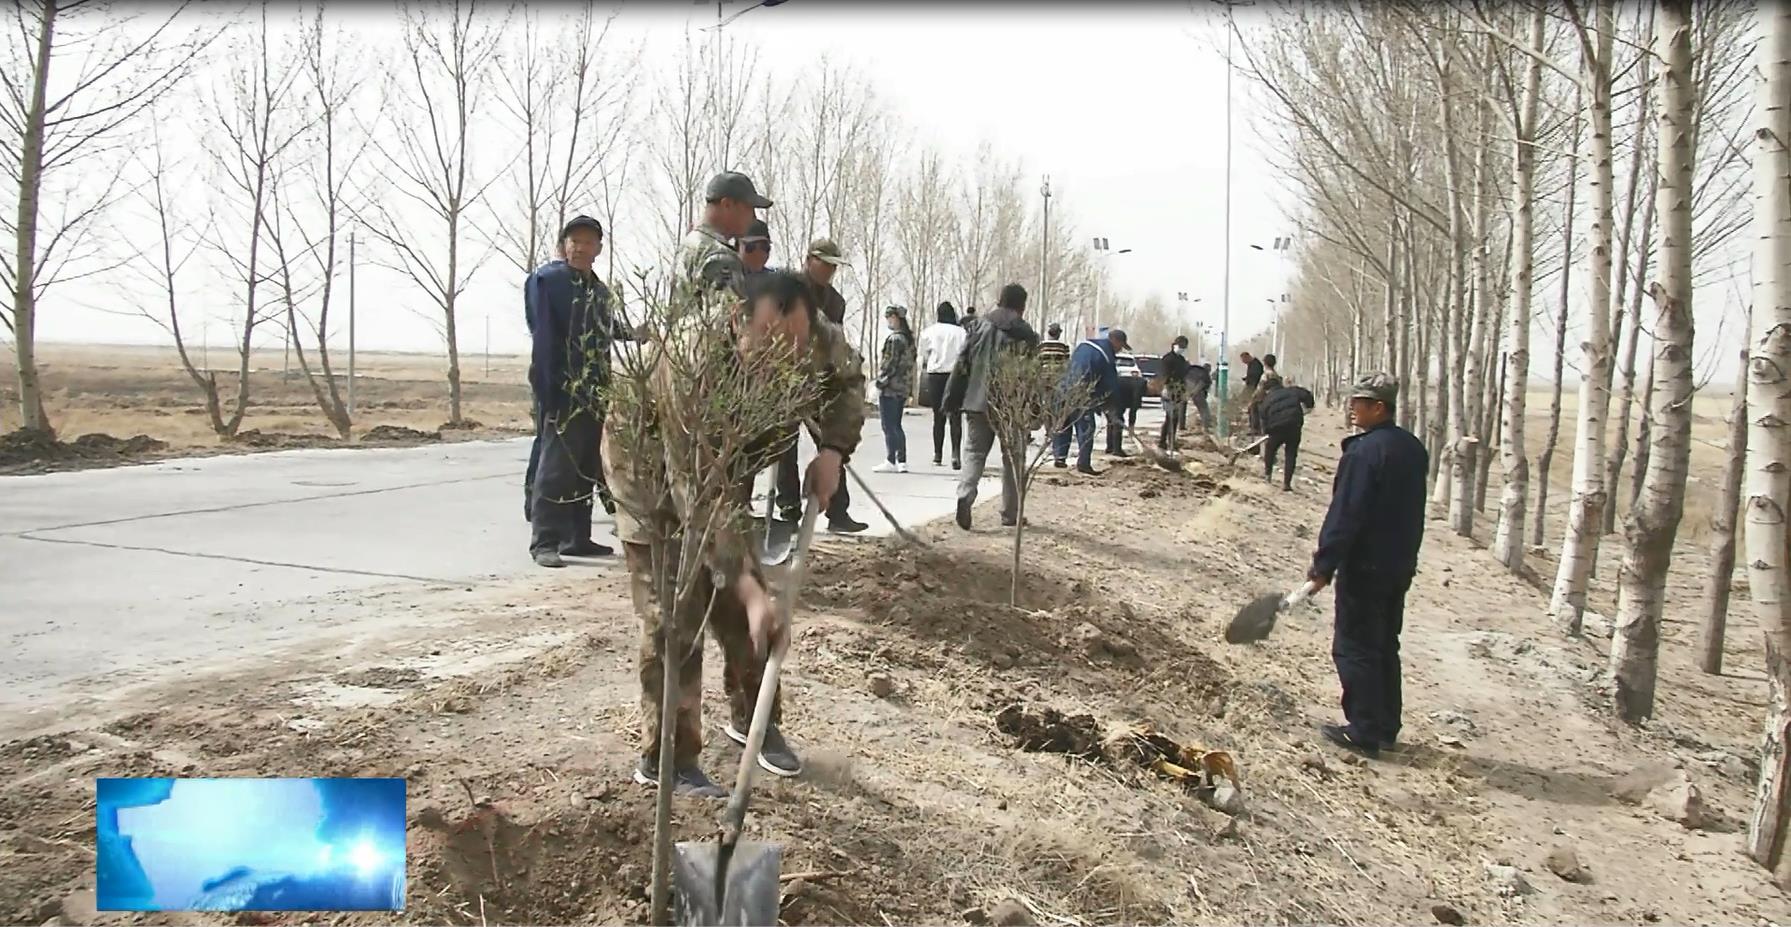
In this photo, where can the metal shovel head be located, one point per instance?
(780, 539)
(753, 891)
(1255, 620)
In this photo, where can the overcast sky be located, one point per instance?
(1123, 105)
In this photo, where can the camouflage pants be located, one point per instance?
(742, 670)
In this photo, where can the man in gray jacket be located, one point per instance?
(1003, 329)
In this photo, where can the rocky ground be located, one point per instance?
(971, 761)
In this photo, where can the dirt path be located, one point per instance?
(514, 722)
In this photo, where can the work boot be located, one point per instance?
(1007, 521)
(845, 524)
(1341, 736)
(1061, 464)
(775, 757)
(1118, 452)
(1087, 470)
(587, 548)
(689, 781)
(548, 558)
(964, 513)
(789, 515)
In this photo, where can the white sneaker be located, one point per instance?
(902, 467)
(884, 467)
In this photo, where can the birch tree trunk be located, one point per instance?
(1654, 522)
(1768, 440)
(1567, 604)
(1469, 440)
(1545, 462)
(1722, 535)
(1508, 541)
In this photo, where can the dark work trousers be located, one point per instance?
(1175, 419)
(941, 419)
(528, 477)
(566, 478)
(1365, 647)
(786, 486)
(839, 507)
(1286, 440)
(1116, 427)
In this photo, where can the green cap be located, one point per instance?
(733, 185)
(1379, 387)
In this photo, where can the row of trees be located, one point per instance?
(256, 149)
(1473, 172)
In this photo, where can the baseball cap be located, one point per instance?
(1379, 387)
(582, 222)
(733, 185)
(757, 231)
(829, 251)
(1118, 337)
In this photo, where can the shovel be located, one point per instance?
(1255, 620)
(1172, 464)
(734, 882)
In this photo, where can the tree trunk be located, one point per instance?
(1722, 535)
(1768, 437)
(1567, 604)
(1627, 393)
(1545, 463)
(1644, 438)
(1654, 522)
(24, 295)
(1469, 439)
(1514, 376)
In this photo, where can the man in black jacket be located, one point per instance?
(1369, 545)
(1175, 392)
(1283, 414)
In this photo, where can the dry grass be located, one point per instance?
(123, 391)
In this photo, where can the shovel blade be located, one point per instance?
(753, 890)
(780, 538)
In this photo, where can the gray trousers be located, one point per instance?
(979, 440)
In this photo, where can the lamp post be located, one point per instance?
(715, 68)
(1104, 248)
(1045, 248)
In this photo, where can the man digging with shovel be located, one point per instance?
(731, 598)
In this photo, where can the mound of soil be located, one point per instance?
(1051, 731)
(398, 434)
(255, 437)
(34, 445)
(465, 425)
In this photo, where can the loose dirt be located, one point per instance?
(959, 747)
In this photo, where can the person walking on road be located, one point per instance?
(1003, 329)
(1174, 396)
(731, 598)
(895, 377)
(940, 345)
(1091, 364)
(1369, 547)
(1284, 408)
(820, 263)
(572, 326)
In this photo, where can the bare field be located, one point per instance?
(124, 391)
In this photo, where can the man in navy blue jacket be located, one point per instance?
(1369, 545)
(1091, 363)
(572, 326)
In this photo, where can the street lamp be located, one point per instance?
(1045, 248)
(1104, 249)
(715, 61)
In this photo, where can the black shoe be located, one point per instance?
(1340, 735)
(1061, 464)
(689, 781)
(845, 524)
(791, 516)
(1287, 487)
(1087, 470)
(775, 757)
(1008, 522)
(964, 514)
(1118, 452)
(587, 549)
(957, 464)
(548, 558)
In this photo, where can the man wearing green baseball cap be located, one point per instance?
(1369, 545)
(820, 263)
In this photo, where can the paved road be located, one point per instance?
(191, 563)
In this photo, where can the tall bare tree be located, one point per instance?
(76, 78)
(1654, 523)
(440, 86)
(1721, 580)
(1769, 434)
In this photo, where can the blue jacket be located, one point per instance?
(571, 325)
(1092, 363)
(1376, 521)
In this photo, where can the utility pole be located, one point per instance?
(351, 324)
(1225, 317)
(1045, 250)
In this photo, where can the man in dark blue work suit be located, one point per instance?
(1369, 545)
(572, 325)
